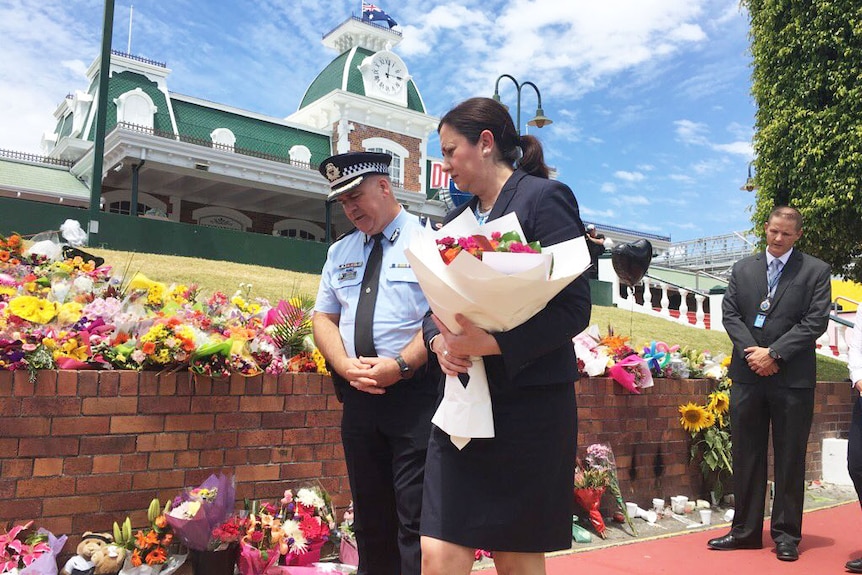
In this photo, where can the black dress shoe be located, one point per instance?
(786, 552)
(854, 566)
(729, 543)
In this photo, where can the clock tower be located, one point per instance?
(368, 101)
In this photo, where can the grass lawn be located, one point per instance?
(274, 284)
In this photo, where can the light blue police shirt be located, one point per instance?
(400, 306)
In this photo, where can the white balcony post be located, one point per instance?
(665, 301)
(647, 296)
(683, 306)
(699, 313)
(841, 341)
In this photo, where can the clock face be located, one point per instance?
(388, 73)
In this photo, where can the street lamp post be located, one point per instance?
(750, 185)
(540, 119)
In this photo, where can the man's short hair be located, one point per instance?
(787, 213)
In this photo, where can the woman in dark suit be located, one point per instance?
(511, 494)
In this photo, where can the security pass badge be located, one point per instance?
(347, 272)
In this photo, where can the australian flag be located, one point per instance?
(372, 13)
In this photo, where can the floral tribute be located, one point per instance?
(197, 512)
(312, 510)
(709, 427)
(600, 457)
(148, 548)
(590, 485)
(475, 245)
(612, 355)
(23, 549)
(70, 313)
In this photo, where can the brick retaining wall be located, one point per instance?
(80, 450)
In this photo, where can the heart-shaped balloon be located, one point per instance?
(631, 260)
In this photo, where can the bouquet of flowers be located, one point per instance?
(709, 427)
(612, 355)
(590, 485)
(263, 540)
(28, 552)
(198, 511)
(312, 510)
(497, 293)
(601, 456)
(149, 546)
(477, 244)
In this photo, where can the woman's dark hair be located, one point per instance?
(471, 117)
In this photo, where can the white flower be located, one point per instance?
(309, 498)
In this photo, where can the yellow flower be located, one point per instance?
(7, 290)
(719, 402)
(34, 309)
(70, 312)
(319, 361)
(695, 417)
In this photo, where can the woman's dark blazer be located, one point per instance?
(539, 351)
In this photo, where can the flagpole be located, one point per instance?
(131, 12)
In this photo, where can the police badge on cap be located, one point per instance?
(346, 171)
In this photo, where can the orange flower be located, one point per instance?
(151, 539)
(148, 347)
(161, 521)
(157, 556)
(4, 256)
(14, 241)
(136, 558)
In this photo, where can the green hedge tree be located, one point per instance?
(807, 84)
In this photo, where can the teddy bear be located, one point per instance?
(108, 559)
(91, 544)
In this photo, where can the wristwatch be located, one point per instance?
(774, 354)
(403, 366)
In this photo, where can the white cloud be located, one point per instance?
(736, 148)
(597, 214)
(609, 188)
(690, 132)
(630, 177)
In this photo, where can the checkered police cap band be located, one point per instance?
(346, 171)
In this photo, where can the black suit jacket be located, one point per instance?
(548, 213)
(798, 315)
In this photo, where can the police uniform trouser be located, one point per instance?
(385, 440)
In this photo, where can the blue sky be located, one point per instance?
(653, 116)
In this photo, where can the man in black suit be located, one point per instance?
(776, 306)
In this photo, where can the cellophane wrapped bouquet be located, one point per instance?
(196, 512)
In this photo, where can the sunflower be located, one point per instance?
(695, 417)
(719, 402)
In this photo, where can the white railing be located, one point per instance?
(833, 342)
(662, 308)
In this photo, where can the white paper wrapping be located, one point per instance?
(497, 294)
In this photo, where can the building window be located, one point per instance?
(223, 138)
(398, 152)
(137, 108)
(299, 230)
(125, 208)
(220, 217)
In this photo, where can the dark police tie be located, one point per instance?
(363, 335)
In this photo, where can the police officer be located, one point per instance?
(368, 325)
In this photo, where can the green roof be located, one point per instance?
(124, 82)
(198, 121)
(55, 181)
(687, 279)
(332, 78)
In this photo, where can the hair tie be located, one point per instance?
(518, 153)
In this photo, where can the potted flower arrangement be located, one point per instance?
(195, 517)
(709, 427)
(311, 509)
